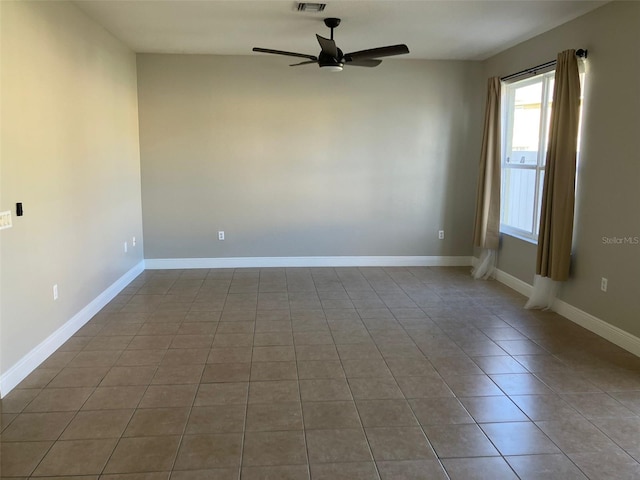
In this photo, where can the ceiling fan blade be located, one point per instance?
(365, 62)
(280, 52)
(303, 63)
(328, 46)
(378, 52)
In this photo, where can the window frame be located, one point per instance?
(507, 120)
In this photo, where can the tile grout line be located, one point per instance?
(384, 359)
(184, 430)
(375, 463)
(355, 405)
(295, 354)
(102, 472)
(246, 408)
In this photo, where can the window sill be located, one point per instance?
(519, 237)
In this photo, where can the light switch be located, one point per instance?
(5, 220)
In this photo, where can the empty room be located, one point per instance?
(318, 241)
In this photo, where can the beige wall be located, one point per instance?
(608, 190)
(70, 154)
(301, 162)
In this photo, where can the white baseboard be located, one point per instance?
(514, 283)
(28, 363)
(615, 335)
(266, 262)
(607, 331)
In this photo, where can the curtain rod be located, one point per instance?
(579, 53)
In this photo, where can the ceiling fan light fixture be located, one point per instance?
(332, 68)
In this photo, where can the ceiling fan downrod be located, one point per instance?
(332, 23)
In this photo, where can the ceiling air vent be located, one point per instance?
(311, 7)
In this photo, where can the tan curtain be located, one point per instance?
(558, 194)
(487, 221)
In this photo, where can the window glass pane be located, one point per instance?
(526, 125)
(517, 199)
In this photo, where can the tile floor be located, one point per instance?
(370, 373)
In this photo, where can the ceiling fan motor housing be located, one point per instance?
(326, 60)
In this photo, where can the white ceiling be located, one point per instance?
(446, 29)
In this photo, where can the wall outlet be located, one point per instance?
(603, 284)
(133, 242)
(55, 291)
(221, 235)
(126, 247)
(441, 234)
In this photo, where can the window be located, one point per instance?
(526, 116)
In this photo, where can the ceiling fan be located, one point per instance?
(333, 59)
